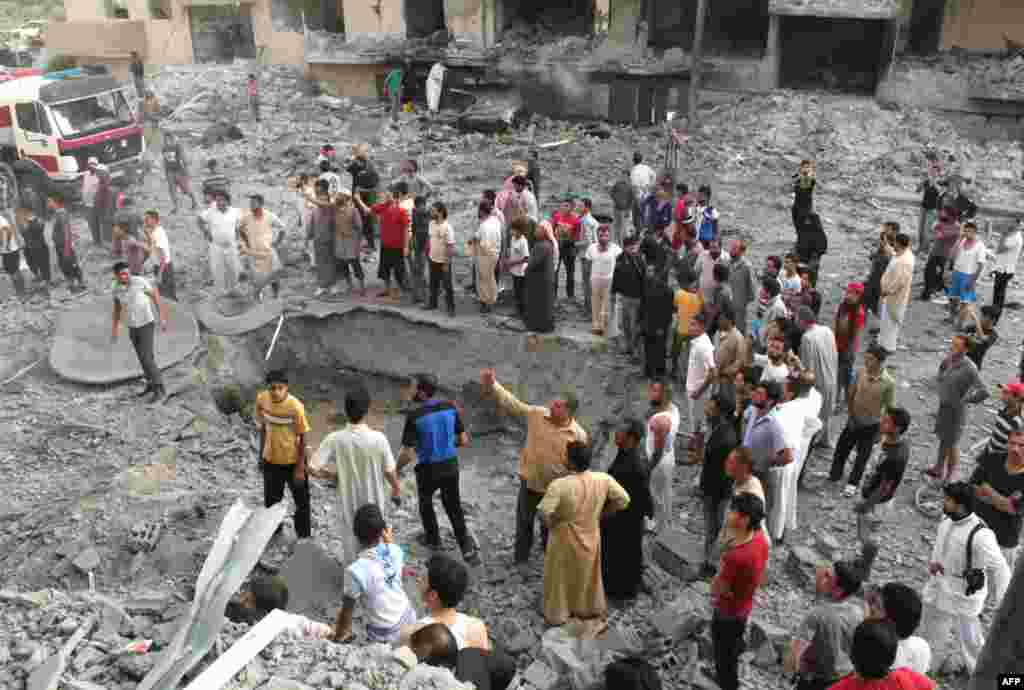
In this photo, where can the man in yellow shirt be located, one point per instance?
(281, 419)
(688, 304)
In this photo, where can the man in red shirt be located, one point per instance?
(567, 231)
(395, 232)
(740, 573)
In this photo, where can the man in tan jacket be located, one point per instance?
(549, 431)
(895, 290)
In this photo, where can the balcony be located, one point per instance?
(110, 39)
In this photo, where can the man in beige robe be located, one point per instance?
(572, 509)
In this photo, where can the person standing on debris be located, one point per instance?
(435, 87)
(804, 182)
(131, 241)
(819, 354)
(968, 258)
(622, 203)
(715, 484)
(37, 253)
(432, 433)
(567, 229)
(375, 579)
(895, 291)
(486, 247)
(662, 428)
(138, 71)
(572, 509)
(394, 84)
(811, 244)
(322, 232)
(628, 287)
(533, 172)
(764, 435)
(133, 296)
(642, 178)
(740, 574)
(1006, 257)
(10, 254)
(622, 555)
(998, 483)
(954, 596)
(882, 484)
(158, 248)
(549, 431)
(869, 398)
(252, 90)
(365, 184)
(880, 259)
(518, 257)
(103, 203)
(540, 276)
(176, 170)
(214, 182)
(587, 237)
(959, 385)
(441, 251)
(395, 235)
(358, 460)
(281, 420)
(657, 308)
(418, 258)
(707, 217)
(820, 650)
(930, 194)
(90, 182)
(848, 326)
(348, 240)
(220, 225)
(600, 259)
(259, 242)
(741, 280)
(63, 242)
(409, 172)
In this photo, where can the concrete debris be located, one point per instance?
(679, 553)
(801, 564)
(88, 560)
(827, 545)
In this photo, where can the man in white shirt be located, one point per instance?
(969, 257)
(662, 428)
(588, 236)
(518, 257)
(10, 254)
(700, 371)
(220, 224)
(332, 178)
(949, 604)
(360, 461)
(642, 177)
(1005, 258)
(600, 259)
(133, 296)
(160, 253)
(90, 181)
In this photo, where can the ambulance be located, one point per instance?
(51, 124)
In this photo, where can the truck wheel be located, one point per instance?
(8, 189)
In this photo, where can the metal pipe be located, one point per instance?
(273, 342)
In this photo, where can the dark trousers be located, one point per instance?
(519, 287)
(99, 224)
(142, 340)
(443, 476)
(69, 266)
(727, 644)
(567, 258)
(441, 277)
(861, 437)
(12, 266)
(416, 270)
(166, 283)
(38, 259)
(349, 267)
(715, 508)
(999, 291)
(274, 479)
(526, 513)
(933, 275)
(655, 351)
(844, 376)
(806, 683)
(490, 670)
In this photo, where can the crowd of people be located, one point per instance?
(763, 373)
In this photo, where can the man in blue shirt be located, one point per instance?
(432, 433)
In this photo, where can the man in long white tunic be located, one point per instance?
(360, 460)
(818, 353)
(792, 415)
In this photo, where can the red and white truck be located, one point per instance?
(51, 124)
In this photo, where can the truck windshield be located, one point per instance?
(92, 114)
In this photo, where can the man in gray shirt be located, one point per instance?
(741, 280)
(959, 384)
(133, 296)
(764, 437)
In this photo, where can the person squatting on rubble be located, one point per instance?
(964, 563)
(359, 460)
(432, 434)
(219, 225)
(549, 431)
(133, 296)
(261, 233)
(375, 581)
(572, 509)
(281, 421)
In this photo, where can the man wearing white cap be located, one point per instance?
(90, 182)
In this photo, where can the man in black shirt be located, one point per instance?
(658, 310)
(628, 288)
(715, 484)
(985, 335)
(999, 487)
(881, 485)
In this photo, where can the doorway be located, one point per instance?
(221, 33)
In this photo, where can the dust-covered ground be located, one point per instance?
(82, 465)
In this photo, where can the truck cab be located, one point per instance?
(51, 124)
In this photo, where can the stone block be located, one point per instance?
(679, 554)
(541, 676)
(801, 564)
(149, 604)
(827, 545)
(87, 560)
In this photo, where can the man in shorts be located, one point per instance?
(968, 258)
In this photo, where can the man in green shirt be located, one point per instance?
(393, 84)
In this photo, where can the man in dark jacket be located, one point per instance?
(628, 289)
(715, 484)
(811, 244)
(658, 310)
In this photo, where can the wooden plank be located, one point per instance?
(241, 652)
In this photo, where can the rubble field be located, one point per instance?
(111, 506)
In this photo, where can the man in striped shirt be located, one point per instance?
(1008, 420)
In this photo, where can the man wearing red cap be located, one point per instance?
(849, 324)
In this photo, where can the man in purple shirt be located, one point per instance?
(763, 436)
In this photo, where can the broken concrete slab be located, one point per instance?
(236, 315)
(313, 578)
(827, 545)
(679, 553)
(88, 560)
(541, 676)
(82, 351)
(47, 676)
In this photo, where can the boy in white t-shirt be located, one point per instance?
(518, 257)
(969, 257)
(601, 255)
(375, 579)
